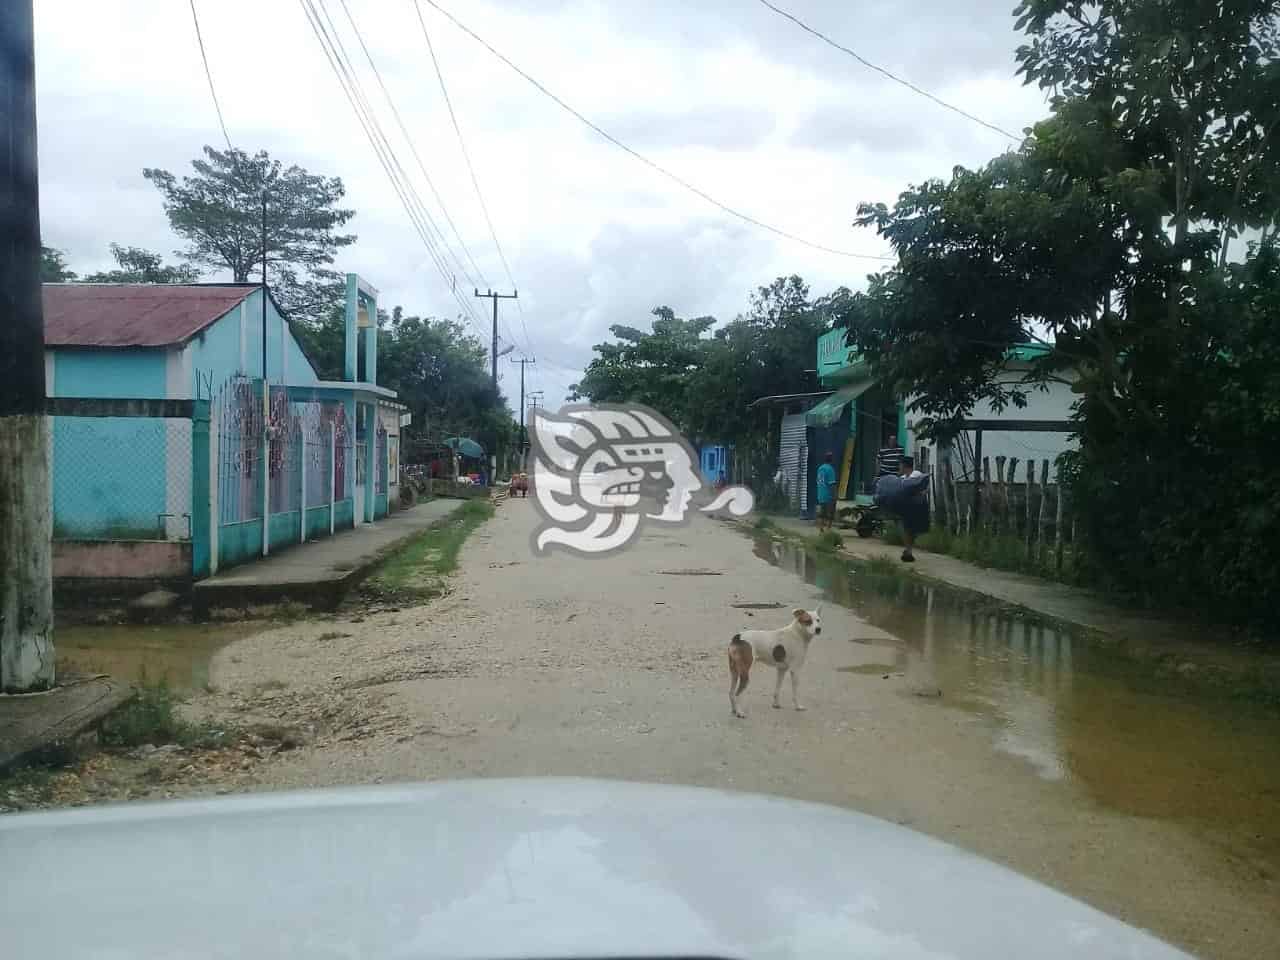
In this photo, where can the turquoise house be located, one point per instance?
(138, 479)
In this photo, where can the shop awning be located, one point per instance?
(828, 411)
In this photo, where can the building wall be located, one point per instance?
(109, 475)
(233, 345)
(1053, 404)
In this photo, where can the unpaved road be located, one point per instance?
(615, 668)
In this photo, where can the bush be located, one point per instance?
(763, 523)
(829, 541)
(891, 533)
(149, 716)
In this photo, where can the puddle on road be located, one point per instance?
(179, 654)
(1077, 711)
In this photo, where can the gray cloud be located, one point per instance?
(731, 128)
(726, 94)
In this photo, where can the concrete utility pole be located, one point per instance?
(524, 433)
(495, 297)
(26, 524)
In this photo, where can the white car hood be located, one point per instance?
(520, 869)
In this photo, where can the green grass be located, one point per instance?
(828, 541)
(1000, 552)
(763, 523)
(417, 570)
(150, 716)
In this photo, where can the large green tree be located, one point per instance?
(219, 211)
(1106, 234)
(136, 265)
(704, 378)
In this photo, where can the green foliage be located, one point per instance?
(1106, 235)
(828, 541)
(219, 210)
(891, 533)
(763, 523)
(704, 378)
(150, 716)
(137, 265)
(53, 266)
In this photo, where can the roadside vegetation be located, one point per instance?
(995, 551)
(417, 571)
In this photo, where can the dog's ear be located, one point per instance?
(798, 612)
(803, 616)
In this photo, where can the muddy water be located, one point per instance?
(178, 654)
(1078, 713)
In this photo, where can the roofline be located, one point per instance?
(781, 397)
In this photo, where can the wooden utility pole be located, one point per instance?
(26, 524)
(524, 434)
(495, 297)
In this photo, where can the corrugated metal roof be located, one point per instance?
(133, 314)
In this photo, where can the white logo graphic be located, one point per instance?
(598, 470)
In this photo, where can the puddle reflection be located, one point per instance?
(1072, 709)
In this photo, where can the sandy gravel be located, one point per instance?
(615, 668)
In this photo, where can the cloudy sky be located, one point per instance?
(724, 93)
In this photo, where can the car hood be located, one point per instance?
(520, 868)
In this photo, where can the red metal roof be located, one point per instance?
(133, 314)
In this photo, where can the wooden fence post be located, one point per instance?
(977, 478)
(1057, 527)
(987, 490)
(1044, 493)
(1003, 496)
(1031, 477)
(1010, 514)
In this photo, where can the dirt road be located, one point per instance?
(616, 668)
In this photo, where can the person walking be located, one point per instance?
(826, 493)
(913, 507)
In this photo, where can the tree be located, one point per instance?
(53, 266)
(705, 380)
(219, 211)
(137, 265)
(1105, 235)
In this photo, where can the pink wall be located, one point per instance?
(121, 559)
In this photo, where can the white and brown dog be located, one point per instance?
(785, 649)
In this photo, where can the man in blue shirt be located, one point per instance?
(826, 493)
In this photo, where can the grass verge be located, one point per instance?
(417, 570)
(151, 716)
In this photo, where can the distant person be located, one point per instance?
(826, 493)
(890, 455)
(913, 507)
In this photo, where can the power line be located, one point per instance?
(195, 18)
(340, 64)
(466, 155)
(883, 72)
(746, 218)
(409, 198)
(395, 112)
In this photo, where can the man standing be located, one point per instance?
(890, 455)
(826, 493)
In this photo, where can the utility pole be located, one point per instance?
(524, 433)
(26, 523)
(495, 297)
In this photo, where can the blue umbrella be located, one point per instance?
(465, 446)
